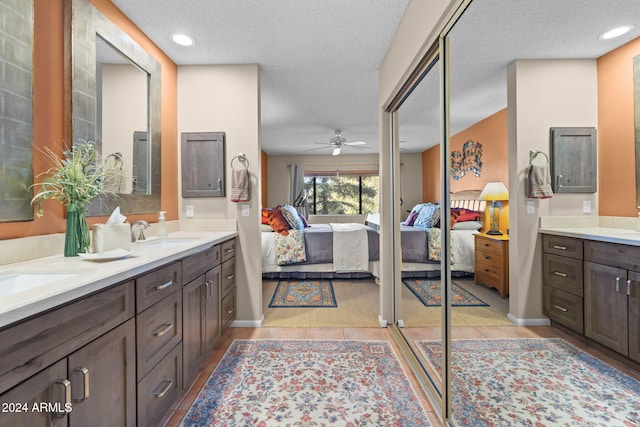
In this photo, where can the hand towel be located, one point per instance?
(539, 182)
(240, 185)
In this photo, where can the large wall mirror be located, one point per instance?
(636, 106)
(115, 101)
(16, 118)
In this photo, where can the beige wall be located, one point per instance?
(227, 98)
(541, 94)
(411, 182)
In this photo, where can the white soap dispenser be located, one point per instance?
(162, 225)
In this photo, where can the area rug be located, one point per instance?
(304, 293)
(307, 383)
(428, 292)
(538, 381)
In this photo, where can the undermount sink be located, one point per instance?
(165, 242)
(20, 282)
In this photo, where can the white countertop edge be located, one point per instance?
(93, 276)
(601, 234)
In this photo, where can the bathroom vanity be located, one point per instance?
(591, 284)
(112, 343)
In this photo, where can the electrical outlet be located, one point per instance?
(190, 211)
(586, 206)
(531, 207)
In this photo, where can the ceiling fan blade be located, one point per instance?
(319, 148)
(355, 143)
(336, 151)
(322, 143)
(359, 147)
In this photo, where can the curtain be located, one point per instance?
(297, 195)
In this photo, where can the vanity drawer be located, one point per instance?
(154, 286)
(198, 264)
(160, 388)
(158, 329)
(228, 249)
(565, 308)
(228, 276)
(563, 273)
(228, 310)
(563, 246)
(613, 254)
(29, 346)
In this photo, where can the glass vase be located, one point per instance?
(76, 237)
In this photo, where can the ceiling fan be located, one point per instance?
(338, 142)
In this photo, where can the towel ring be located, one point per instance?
(537, 157)
(242, 158)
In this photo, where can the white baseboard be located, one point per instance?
(529, 322)
(248, 323)
(383, 323)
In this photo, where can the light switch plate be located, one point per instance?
(531, 207)
(245, 210)
(190, 212)
(586, 206)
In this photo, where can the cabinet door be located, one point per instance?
(212, 307)
(103, 380)
(193, 321)
(203, 170)
(46, 387)
(605, 306)
(634, 316)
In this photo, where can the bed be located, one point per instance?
(352, 250)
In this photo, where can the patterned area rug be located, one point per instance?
(304, 293)
(428, 292)
(307, 383)
(539, 381)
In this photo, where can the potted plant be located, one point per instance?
(73, 180)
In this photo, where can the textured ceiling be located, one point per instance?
(319, 59)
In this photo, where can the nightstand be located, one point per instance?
(492, 262)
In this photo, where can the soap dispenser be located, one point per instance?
(162, 225)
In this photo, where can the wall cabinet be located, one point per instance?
(593, 288)
(118, 357)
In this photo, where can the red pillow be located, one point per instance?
(265, 215)
(278, 222)
(466, 215)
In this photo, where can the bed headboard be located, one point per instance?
(468, 199)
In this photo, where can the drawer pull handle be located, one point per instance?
(560, 248)
(67, 397)
(617, 284)
(207, 291)
(164, 285)
(629, 287)
(560, 308)
(486, 270)
(487, 244)
(230, 311)
(231, 276)
(164, 391)
(559, 273)
(166, 329)
(85, 382)
(230, 250)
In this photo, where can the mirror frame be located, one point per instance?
(83, 22)
(636, 106)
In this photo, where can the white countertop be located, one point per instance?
(602, 234)
(90, 276)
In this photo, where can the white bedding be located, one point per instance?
(350, 247)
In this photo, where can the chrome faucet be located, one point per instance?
(144, 225)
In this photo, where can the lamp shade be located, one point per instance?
(494, 191)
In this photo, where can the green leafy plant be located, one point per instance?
(73, 180)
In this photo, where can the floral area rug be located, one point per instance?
(304, 293)
(428, 292)
(307, 383)
(535, 382)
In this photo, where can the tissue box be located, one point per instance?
(107, 237)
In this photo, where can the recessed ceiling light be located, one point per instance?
(616, 32)
(182, 39)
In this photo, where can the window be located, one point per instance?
(342, 195)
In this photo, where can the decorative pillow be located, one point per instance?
(278, 222)
(304, 220)
(424, 217)
(411, 218)
(433, 236)
(265, 228)
(265, 215)
(291, 215)
(466, 215)
(290, 249)
(468, 225)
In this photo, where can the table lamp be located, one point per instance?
(493, 192)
